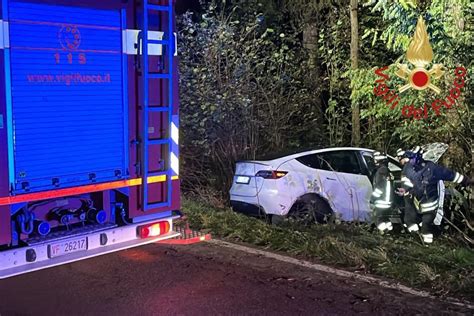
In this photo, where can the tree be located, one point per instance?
(354, 65)
(243, 94)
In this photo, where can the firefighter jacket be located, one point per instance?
(408, 173)
(425, 178)
(382, 196)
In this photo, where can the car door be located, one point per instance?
(347, 167)
(328, 183)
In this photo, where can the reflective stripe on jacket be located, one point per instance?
(383, 189)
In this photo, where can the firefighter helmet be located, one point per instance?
(380, 157)
(417, 155)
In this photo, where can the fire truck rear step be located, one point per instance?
(101, 242)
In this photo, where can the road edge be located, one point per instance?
(342, 273)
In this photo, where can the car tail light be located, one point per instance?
(271, 174)
(153, 230)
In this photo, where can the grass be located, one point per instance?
(444, 268)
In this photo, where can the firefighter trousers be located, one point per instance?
(426, 221)
(411, 217)
(382, 214)
(431, 209)
(382, 218)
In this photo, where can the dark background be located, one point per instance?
(184, 5)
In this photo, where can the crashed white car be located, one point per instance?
(312, 185)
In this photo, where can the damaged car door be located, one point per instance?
(334, 185)
(346, 165)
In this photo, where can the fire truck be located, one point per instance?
(89, 129)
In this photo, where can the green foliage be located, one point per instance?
(334, 59)
(451, 39)
(243, 93)
(272, 75)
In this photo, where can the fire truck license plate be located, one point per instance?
(67, 246)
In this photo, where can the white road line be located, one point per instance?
(341, 273)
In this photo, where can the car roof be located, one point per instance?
(319, 151)
(282, 159)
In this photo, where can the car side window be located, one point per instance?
(341, 161)
(311, 161)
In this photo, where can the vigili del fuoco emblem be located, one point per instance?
(418, 77)
(420, 54)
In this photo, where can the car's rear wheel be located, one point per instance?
(310, 210)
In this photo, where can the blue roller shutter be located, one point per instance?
(67, 96)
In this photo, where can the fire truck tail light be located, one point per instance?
(153, 230)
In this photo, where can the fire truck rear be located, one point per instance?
(89, 129)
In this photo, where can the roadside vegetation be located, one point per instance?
(445, 268)
(261, 77)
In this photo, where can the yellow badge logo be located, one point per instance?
(420, 55)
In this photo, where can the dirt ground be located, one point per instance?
(201, 279)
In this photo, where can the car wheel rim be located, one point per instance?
(304, 214)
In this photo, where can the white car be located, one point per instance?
(310, 185)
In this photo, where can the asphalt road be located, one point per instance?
(201, 279)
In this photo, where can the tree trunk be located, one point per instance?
(310, 42)
(354, 64)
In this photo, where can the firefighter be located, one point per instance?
(382, 196)
(411, 217)
(428, 191)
